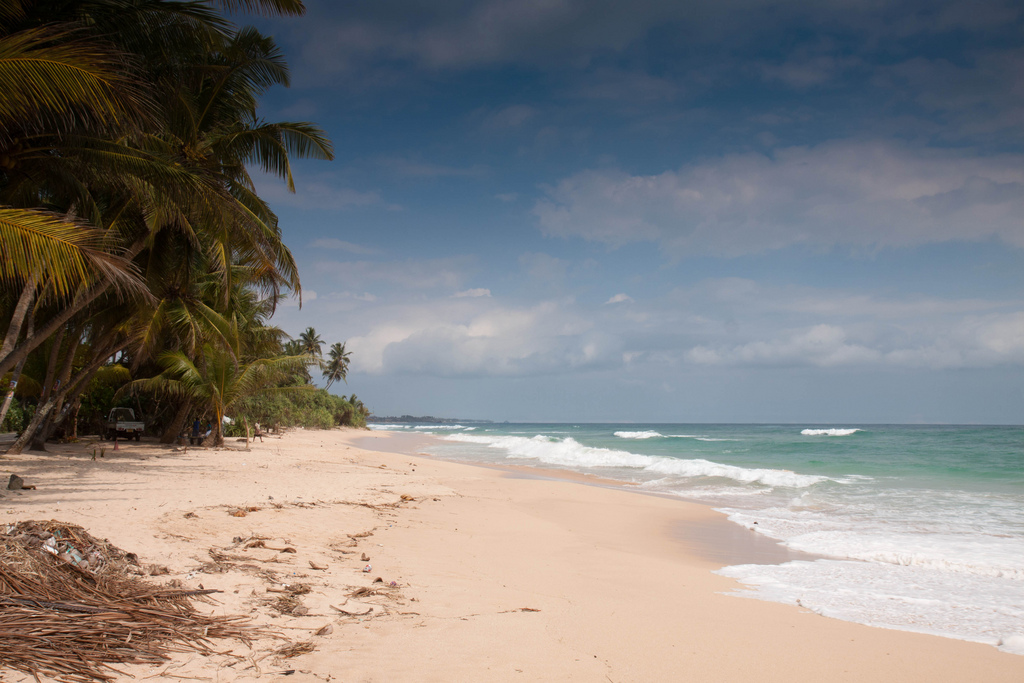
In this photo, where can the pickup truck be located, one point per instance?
(121, 424)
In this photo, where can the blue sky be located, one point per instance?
(730, 211)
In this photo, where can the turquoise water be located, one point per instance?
(922, 527)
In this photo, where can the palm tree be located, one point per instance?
(311, 342)
(220, 382)
(99, 186)
(337, 367)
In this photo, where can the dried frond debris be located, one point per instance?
(73, 606)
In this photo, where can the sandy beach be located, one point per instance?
(485, 574)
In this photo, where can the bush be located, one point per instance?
(18, 416)
(312, 409)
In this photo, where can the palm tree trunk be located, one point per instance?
(10, 391)
(74, 417)
(68, 417)
(17, 374)
(76, 387)
(177, 422)
(63, 380)
(45, 408)
(51, 367)
(21, 310)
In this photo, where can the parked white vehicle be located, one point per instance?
(121, 424)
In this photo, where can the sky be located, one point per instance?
(713, 211)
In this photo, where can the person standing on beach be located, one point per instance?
(196, 426)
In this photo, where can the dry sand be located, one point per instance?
(499, 575)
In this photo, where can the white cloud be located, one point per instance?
(478, 292)
(866, 194)
(741, 322)
(419, 327)
(988, 341)
(481, 337)
(821, 345)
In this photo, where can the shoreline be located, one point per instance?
(497, 577)
(716, 539)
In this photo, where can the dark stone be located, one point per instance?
(15, 483)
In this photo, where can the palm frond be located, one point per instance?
(265, 7)
(51, 78)
(65, 252)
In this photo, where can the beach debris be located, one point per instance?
(191, 515)
(291, 589)
(406, 497)
(86, 598)
(367, 569)
(325, 630)
(318, 567)
(295, 649)
(365, 591)
(243, 511)
(364, 558)
(15, 483)
(354, 609)
(378, 580)
(289, 604)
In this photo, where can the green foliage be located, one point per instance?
(18, 416)
(315, 409)
(98, 398)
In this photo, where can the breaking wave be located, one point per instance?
(829, 432)
(570, 453)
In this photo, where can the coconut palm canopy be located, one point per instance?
(130, 223)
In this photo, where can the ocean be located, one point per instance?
(919, 528)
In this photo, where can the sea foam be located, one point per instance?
(829, 432)
(440, 427)
(638, 435)
(570, 453)
(970, 607)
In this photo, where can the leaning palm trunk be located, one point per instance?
(63, 379)
(16, 375)
(44, 409)
(21, 311)
(52, 398)
(10, 390)
(177, 423)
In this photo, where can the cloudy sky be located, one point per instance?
(711, 211)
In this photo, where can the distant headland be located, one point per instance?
(424, 419)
